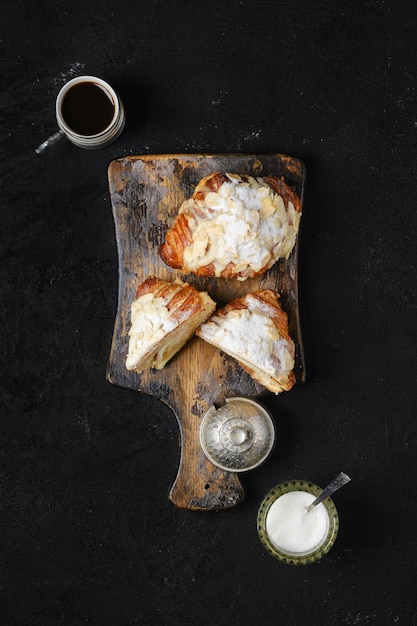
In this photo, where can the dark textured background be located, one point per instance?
(87, 532)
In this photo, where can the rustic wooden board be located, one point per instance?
(146, 192)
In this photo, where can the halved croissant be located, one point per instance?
(233, 226)
(163, 317)
(254, 330)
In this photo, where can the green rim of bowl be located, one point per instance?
(317, 553)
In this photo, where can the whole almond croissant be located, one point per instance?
(233, 226)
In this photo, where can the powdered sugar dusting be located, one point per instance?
(252, 337)
(74, 69)
(244, 222)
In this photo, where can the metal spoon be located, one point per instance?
(50, 141)
(340, 480)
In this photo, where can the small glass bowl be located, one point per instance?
(297, 558)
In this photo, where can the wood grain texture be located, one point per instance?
(146, 192)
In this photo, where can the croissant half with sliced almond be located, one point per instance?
(164, 317)
(254, 330)
(233, 226)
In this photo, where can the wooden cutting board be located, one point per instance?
(146, 192)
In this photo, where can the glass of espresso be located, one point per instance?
(89, 112)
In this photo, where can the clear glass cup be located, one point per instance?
(304, 543)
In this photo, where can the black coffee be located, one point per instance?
(87, 108)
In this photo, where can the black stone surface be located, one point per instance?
(87, 532)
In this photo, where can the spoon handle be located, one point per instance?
(50, 141)
(340, 480)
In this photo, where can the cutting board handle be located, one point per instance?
(199, 484)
